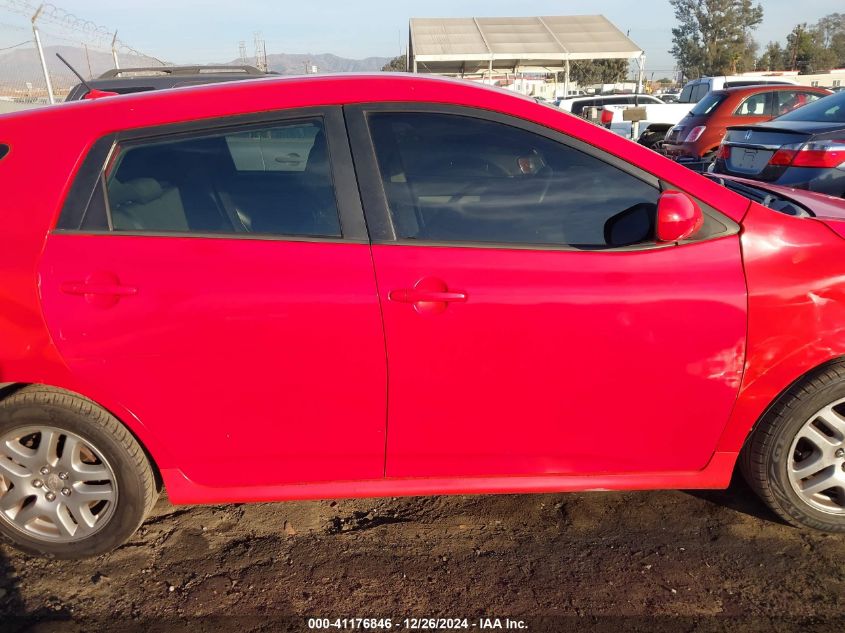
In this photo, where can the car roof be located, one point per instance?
(128, 80)
(769, 87)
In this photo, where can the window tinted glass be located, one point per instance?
(273, 179)
(789, 100)
(459, 179)
(700, 91)
(756, 105)
(830, 109)
(686, 94)
(708, 103)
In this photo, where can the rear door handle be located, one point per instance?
(101, 289)
(86, 288)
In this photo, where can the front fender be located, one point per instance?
(795, 271)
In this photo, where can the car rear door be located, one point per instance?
(219, 285)
(533, 325)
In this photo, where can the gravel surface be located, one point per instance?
(646, 561)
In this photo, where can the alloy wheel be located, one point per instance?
(54, 485)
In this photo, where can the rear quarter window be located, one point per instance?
(4, 149)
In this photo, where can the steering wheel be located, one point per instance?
(476, 179)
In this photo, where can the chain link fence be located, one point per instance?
(30, 36)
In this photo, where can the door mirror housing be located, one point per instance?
(678, 217)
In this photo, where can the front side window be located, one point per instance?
(756, 105)
(273, 179)
(452, 178)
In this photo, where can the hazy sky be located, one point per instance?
(209, 30)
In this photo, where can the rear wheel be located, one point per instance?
(795, 459)
(74, 482)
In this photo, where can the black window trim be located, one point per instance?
(96, 162)
(374, 197)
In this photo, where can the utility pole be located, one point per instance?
(49, 83)
(260, 52)
(795, 47)
(242, 51)
(88, 59)
(114, 51)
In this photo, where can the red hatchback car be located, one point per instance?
(392, 285)
(698, 135)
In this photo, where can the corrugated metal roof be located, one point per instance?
(522, 41)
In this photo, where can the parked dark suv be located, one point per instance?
(128, 80)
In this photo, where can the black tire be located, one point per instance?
(765, 457)
(134, 476)
(652, 139)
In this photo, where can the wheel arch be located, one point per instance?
(9, 388)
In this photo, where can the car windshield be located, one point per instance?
(708, 104)
(828, 110)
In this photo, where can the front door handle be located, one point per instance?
(100, 289)
(429, 295)
(412, 295)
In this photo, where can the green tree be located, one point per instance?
(598, 71)
(774, 58)
(395, 65)
(713, 37)
(831, 33)
(806, 53)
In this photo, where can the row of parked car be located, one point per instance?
(763, 129)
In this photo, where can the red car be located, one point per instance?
(393, 285)
(698, 135)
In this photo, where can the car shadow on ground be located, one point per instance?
(738, 497)
(14, 616)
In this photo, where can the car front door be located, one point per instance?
(219, 285)
(533, 324)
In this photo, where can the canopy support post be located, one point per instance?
(566, 80)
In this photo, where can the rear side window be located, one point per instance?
(830, 109)
(789, 100)
(756, 105)
(699, 92)
(708, 104)
(272, 180)
(452, 178)
(4, 149)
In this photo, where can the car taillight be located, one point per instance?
(724, 152)
(695, 134)
(819, 154)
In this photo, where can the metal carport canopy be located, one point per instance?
(526, 44)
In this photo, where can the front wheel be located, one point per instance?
(74, 482)
(795, 459)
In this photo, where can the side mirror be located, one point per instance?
(678, 217)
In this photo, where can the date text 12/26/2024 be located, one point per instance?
(417, 624)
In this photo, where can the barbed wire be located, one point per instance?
(94, 33)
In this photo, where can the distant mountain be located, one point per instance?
(295, 63)
(21, 65)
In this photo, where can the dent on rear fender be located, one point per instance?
(795, 271)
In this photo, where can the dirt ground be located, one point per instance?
(646, 561)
